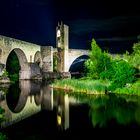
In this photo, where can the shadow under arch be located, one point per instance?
(23, 64)
(77, 67)
(38, 59)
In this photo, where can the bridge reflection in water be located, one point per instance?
(28, 98)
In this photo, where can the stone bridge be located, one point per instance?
(35, 59)
(26, 53)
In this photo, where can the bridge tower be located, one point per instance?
(62, 45)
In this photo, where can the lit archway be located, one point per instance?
(77, 67)
(17, 64)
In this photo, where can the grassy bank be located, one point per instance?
(95, 86)
(84, 86)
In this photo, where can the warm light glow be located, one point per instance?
(58, 33)
(59, 120)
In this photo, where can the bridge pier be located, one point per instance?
(47, 58)
(25, 72)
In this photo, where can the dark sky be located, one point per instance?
(115, 25)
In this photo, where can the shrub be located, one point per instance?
(122, 73)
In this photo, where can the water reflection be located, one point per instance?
(113, 110)
(27, 98)
(19, 103)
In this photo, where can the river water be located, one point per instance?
(34, 110)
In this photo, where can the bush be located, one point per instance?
(122, 73)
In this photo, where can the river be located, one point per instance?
(34, 110)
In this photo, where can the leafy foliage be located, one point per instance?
(102, 66)
(5, 73)
(122, 73)
(98, 62)
(135, 57)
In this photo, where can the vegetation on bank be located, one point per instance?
(2, 118)
(89, 86)
(85, 86)
(121, 72)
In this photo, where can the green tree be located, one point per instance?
(135, 57)
(99, 61)
(102, 66)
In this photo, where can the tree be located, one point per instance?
(135, 56)
(99, 61)
(102, 66)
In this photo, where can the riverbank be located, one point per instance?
(82, 86)
(95, 86)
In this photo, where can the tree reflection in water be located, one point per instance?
(104, 110)
(112, 110)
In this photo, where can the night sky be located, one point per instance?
(115, 25)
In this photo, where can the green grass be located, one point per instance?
(95, 86)
(81, 85)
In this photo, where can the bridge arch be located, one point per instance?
(75, 54)
(77, 66)
(24, 67)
